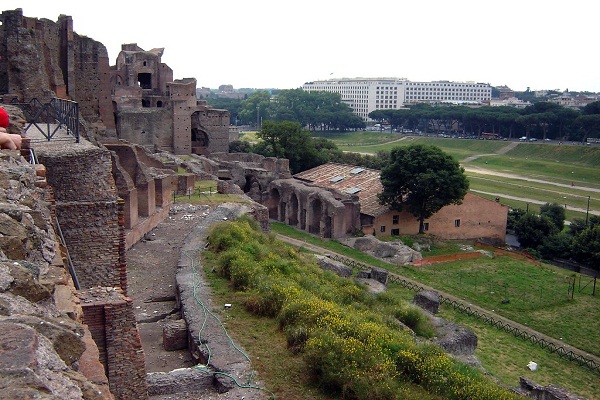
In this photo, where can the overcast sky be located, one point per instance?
(539, 44)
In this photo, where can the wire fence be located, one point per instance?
(561, 351)
(528, 294)
(198, 192)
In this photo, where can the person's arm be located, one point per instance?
(9, 141)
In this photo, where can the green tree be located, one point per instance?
(514, 215)
(556, 213)
(288, 140)
(557, 246)
(240, 146)
(590, 126)
(531, 230)
(586, 246)
(423, 179)
(255, 108)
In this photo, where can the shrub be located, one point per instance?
(344, 334)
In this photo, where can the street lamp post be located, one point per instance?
(587, 212)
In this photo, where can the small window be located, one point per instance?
(457, 223)
(425, 226)
(396, 232)
(395, 219)
(382, 228)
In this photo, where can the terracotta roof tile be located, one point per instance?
(363, 182)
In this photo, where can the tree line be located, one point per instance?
(544, 235)
(317, 111)
(323, 111)
(542, 120)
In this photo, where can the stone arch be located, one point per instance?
(159, 104)
(315, 213)
(293, 210)
(252, 187)
(200, 139)
(273, 203)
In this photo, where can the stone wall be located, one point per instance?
(111, 319)
(88, 210)
(42, 59)
(149, 127)
(145, 186)
(311, 208)
(45, 349)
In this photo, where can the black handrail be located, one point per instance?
(63, 113)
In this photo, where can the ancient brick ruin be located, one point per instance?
(137, 99)
(141, 81)
(46, 348)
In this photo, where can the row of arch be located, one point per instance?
(307, 218)
(312, 209)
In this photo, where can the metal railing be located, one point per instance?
(51, 117)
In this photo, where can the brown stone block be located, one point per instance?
(40, 170)
(175, 335)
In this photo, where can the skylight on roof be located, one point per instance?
(336, 179)
(353, 190)
(357, 171)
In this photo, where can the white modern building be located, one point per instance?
(364, 95)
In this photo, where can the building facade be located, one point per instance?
(154, 110)
(476, 218)
(365, 95)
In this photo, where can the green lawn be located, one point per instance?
(506, 357)
(538, 294)
(567, 173)
(360, 138)
(457, 148)
(570, 165)
(538, 191)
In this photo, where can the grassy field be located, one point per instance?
(368, 142)
(504, 356)
(539, 295)
(569, 165)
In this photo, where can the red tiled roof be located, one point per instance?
(348, 179)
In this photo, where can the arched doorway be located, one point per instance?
(199, 137)
(314, 219)
(293, 210)
(273, 204)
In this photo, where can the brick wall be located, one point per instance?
(111, 320)
(45, 58)
(475, 218)
(88, 210)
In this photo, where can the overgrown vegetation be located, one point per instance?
(544, 233)
(350, 340)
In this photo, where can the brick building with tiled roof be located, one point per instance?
(475, 218)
